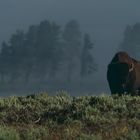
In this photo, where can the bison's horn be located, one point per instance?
(132, 67)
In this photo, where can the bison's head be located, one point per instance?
(118, 76)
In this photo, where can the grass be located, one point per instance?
(63, 117)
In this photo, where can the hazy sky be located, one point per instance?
(105, 20)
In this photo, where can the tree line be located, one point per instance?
(46, 51)
(131, 40)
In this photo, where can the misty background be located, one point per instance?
(105, 21)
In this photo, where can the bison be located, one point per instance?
(123, 74)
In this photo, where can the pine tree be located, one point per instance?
(72, 38)
(5, 59)
(131, 40)
(88, 65)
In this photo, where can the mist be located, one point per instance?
(105, 21)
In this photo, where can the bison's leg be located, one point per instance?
(130, 90)
(138, 93)
(116, 89)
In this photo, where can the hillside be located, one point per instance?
(63, 117)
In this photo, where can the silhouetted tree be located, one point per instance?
(72, 38)
(88, 65)
(5, 58)
(47, 46)
(29, 57)
(43, 50)
(37, 52)
(16, 45)
(131, 40)
(56, 50)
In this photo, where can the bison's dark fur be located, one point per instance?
(123, 74)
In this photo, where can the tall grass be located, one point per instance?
(63, 117)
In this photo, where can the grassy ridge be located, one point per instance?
(62, 117)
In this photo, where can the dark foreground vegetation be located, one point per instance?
(62, 117)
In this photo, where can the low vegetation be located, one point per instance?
(63, 117)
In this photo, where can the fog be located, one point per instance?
(104, 20)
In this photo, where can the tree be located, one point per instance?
(5, 57)
(56, 50)
(16, 45)
(29, 57)
(88, 65)
(72, 38)
(47, 46)
(43, 49)
(131, 40)
(37, 52)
